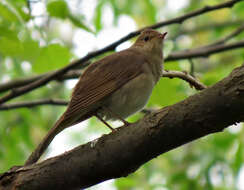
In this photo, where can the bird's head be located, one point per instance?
(150, 40)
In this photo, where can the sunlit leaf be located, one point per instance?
(125, 183)
(11, 47)
(239, 9)
(19, 7)
(79, 23)
(151, 10)
(7, 13)
(238, 158)
(51, 57)
(98, 16)
(58, 8)
(116, 10)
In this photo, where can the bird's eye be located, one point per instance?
(146, 38)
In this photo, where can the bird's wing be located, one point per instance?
(103, 78)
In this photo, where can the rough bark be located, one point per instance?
(124, 151)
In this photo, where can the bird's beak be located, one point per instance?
(162, 36)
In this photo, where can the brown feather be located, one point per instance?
(106, 76)
(113, 71)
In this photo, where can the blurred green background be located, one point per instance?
(38, 36)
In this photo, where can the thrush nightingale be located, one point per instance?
(114, 87)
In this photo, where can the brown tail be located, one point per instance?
(59, 126)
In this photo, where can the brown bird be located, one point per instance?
(114, 87)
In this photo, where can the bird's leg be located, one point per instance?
(115, 115)
(102, 120)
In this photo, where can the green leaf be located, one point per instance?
(10, 46)
(125, 183)
(19, 7)
(238, 9)
(97, 20)
(78, 22)
(151, 11)
(167, 92)
(238, 158)
(30, 46)
(224, 142)
(7, 13)
(116, 10)
(51, 57)
(5, 31)
(58, 8)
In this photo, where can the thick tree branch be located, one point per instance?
(124, 151)
(45, 79)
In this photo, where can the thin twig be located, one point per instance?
(30, 104)
(192, 68)
(204, 51)
(27, 80)
(40, 81)
(206, 27)
(181, 19)
(44, 80)
(186, 77)
(228, 37)
(19, 82)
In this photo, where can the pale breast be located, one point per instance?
(130, 98)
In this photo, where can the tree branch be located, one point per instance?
(19, 82)
(75, 74)
(204, 51)
(45, 79)
(31, 104)
(181, 19)
(228, 37)
(124, 151)
(25, 81)
(206, 27)
(185, 54)
(184, 76)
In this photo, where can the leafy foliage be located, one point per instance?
(32, 43)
